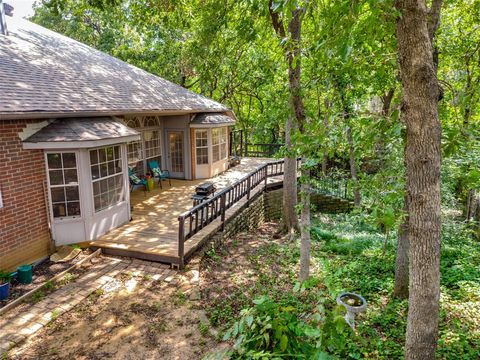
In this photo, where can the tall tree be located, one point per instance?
(423, 161)
(403, 245)
(296, 119)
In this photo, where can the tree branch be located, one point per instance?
(276, 21)
(434, 22)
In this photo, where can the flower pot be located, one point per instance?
(4, 290)
(24, 274)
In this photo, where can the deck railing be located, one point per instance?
(333, 184)
(195, 219)
(261, 150)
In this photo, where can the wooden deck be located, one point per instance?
(153, 232)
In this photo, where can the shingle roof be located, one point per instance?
(82, 129)
(43, 71)
(211, 119)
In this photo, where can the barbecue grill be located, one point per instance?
(203, 192)
(205, 189)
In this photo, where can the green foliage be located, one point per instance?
(5, 277)
(369, 273)
(269, 330)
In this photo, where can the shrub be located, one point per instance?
(271, 331)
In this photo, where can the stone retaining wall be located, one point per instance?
(268, 206)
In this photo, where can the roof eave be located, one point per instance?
(54, 145)
(70, 114)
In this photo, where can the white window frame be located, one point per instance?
(221, 144)
(133, 158)
(145, 124)
(157, 148)
(50, 186)
(197, 131)
(101, 178)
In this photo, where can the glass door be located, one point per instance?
(175, 154)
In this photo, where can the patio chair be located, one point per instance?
(135, 181)
(158, 173)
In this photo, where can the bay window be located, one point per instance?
(107, 177)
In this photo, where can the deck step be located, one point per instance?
(142, 255)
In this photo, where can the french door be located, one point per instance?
(176, 164)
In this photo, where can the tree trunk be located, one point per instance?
(325, 125)
(293, 57)
(290, 219)
(423, 160)
(400, 289)
(380, 146)
(357, 198)
(305, 227)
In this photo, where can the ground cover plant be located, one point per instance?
(347, 255)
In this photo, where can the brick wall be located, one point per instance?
(24, 232)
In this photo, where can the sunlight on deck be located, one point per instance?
(154, 226)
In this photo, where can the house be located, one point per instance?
(73, 120)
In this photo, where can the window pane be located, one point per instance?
(102, 155)
(98, 202)
(118, 181)
(59, 210)
(95, 172)
(96, 188)
(109, 151)
(111, 167)
(216, 153)
(111, 183)
(202, 156)
(104, 200)
(111, 197)
(72, 193)
(93, 157)
(118, 168)
(54, 161)
(56, 177)
(69, 160)
(117, 152)
(103, 170)
(103, 186)
(73, 208)
(58, 195)
(71, 176)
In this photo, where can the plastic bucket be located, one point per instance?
(4, 291)
(150, 184)
(24, 274)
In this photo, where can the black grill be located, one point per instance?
(205, 189)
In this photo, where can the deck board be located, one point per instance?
(153, 230)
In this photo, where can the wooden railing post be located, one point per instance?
(266, 176)
(249, 181)
(181, 241)
(223, 205)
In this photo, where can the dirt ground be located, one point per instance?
(141, 318)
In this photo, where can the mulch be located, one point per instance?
(41, 274)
